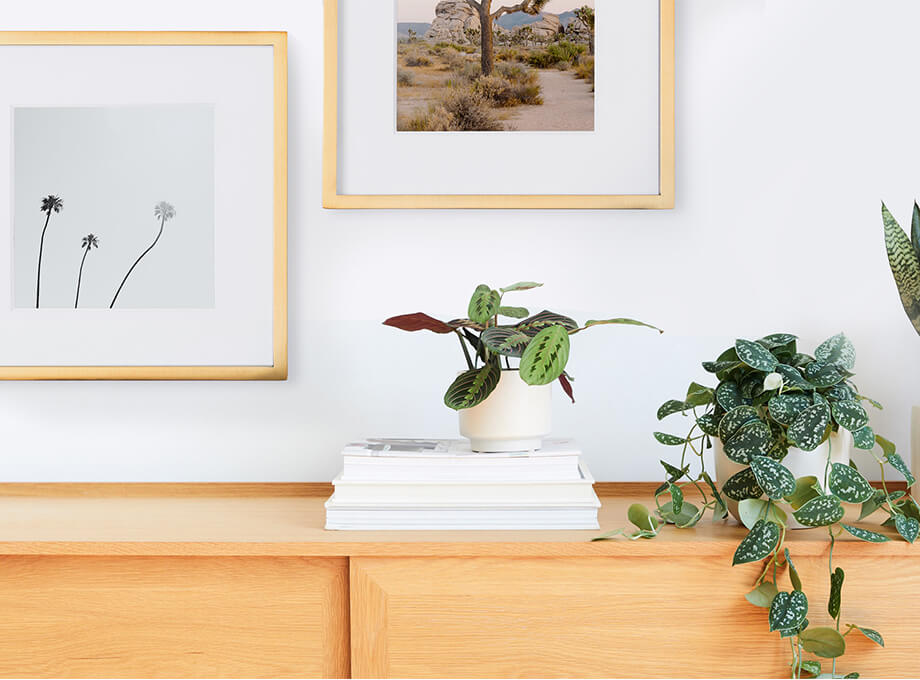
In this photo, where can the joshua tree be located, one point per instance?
(586, 16)
(50, 204)
(89, 242)
(487, 16)
(163, 211)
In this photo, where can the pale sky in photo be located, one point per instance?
(422, 11)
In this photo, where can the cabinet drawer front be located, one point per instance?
(606, 617)
(173, 617)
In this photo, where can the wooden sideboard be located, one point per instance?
(242, 581)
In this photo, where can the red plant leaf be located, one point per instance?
(418, 322)
(566, 386)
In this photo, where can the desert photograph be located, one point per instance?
(479, 66)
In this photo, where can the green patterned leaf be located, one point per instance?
(865, 534)
(688, 516)
(751, 440)
(521, 285)
(784, 408)
(823, 375)
(820, 512)
(621, 322)
(841, 392)
(864, 438)
(872, 634)
(762, 595)
(545, 357)
(793, 377)
(833, 601)
(673, 473)
(777, 340)
(728, 395)
(669, 407)
(812, 667)
(824, 642)
(505, 340)
(804, 492)
(536, 323)
(908, 527)
(742, 485)
(669, 439)
(472, 387)
(788, 610)
(759, 543)
(772, 477)
(733, 421)
(677, 498)
(895, 461)
(807, 430)
(837, 351)
(755, 355)
(849, 485)
(513, 312)
(719, 366)
(904, 261)
(484, 304)
(709, 424)
(850, 415)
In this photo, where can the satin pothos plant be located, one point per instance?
(493, 333)
(770, 397)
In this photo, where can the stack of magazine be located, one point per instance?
(399, 484)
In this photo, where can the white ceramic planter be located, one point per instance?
(915, 442)
(799, 463)
(515, 417)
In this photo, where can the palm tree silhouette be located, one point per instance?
(163, 211)
(89, 242)
(50, 203)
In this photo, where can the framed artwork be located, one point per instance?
(485, 104)
(143, 200)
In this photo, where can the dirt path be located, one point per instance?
(568, 104)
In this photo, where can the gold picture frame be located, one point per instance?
(278, 41)
(663, 200)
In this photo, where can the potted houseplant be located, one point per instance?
(505, 406)
(904, 258)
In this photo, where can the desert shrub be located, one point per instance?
(468, 49)
(557, 53)
(418, 60)
(470, 111)
(516, 73)
(507, 55)
(563, 65)
(585, 70)
(540, 59)
(455, 61)
(404, 78)
(527, 94)
(496, 90)
(443, 45)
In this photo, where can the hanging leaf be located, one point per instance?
(484, 304)
(671, 406)
(849, 485)
(751, 440)
(622, 322)
(888, 448)
(720, 511)
(521, 285)
(793, 572)
(728, 395)
(837, 351)
(513, 312)
(850, 415)
(820, 512)
(762, 595)
(784, 408)
(772, 477)
(908, 527)
(567, 386)
(473, 386)
(793, 377)
(733, 421)
(872, 634)
(804, 491)
(536, 323)
(709, 424)
(788, 610)
(807, 430)
(865, 534)
(760, 542)
(545, 357)
(699, 395)
(639, 515)
(864, 438)
(824, 642)
(904, 261)
(752, 509)
(895, 461)
(742, 485)
(669, 439)
(755, 356)
(673, 473)
(833, 602)
(418, 322)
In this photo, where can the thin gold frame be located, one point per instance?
(663, 200)
(278, 369)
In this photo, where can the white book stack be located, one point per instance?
(434, 484)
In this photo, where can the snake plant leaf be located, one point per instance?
(751, 440)
(850, 415)
(473, 386)
(849, 485)
(742, 485)
(505, 340)
(865, 534)
(669, 439)
(699, 395)
(670, 407)
(521, 285)
(837, 351)
(785, 408)
(622, 322)
(820, 512)
(895, 461)
(536, 323)
(709, 424)
(793, 572)
(824, 642)
(872, 634)
(755, 355)
(908, 527)
(804, 491)
(807, 430)
(762, 595)
(728, 395)
(513, 312)
(833, 601)
(812, 667)
(639, 515)
(545, 357)
(823, 375)
(793, 377)
(788, 610)
(752, 509)
(775, 340)
(418, 322)
(915, 229)
(759, 543)
(772, 477)
(904, 260)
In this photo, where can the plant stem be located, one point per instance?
(117, 292)
(41, 248)
(76, 302)
(466, 352)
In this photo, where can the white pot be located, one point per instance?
(915, 442)
(515, 417)
(799, 463)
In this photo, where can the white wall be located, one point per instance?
(794, 118)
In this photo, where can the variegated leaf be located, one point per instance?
(513, 312)
(850, 415)
(755, 355)
(473, 386)
(536, 323)
(505, 340)
(709, 424)
(788, 610)
(837, 351)
(864, 438)
(823, 375)
(865, 534)
(772, 477)
(841, 392)
(545, 357)
(777, 340)
(793, 377)
(849, 485)
(742, 485)
(484, 304)
(521, 285)
(670, 407)
(728, 395)
(719, 366)
(751, 440)
(820, 512)
(908, 527)
(905, 266)
(759, 543)
(872, 634)
(807, 430)
(733, 420)
(895, 461)
(784, 408)
(669, 439)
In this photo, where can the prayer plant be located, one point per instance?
(770, 397)
(489, 335)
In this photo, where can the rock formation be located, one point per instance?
(545, 28)
(452, 18)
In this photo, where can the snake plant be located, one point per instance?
(904, 258)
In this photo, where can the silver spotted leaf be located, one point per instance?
(865, 534)
(793, 377)
(850, 415)
(728, 395)
(742, 485)
(669, 439)
(841, 392)
(775, 340)
(484, 304)
(833, 601)
(824, 642)
(753, 439)
(837, 351)
(785, 408)
(473, 386)
(709, 423)
(733, 421)
(872, 634)
(505, 340)
(788, 610)
(812, 667)
(720, 366)
(820, 512)
(545, 357)
(669, 407)
(773, 477)
(677, 498)
(755, 355)
(849, 485)
(908, 527)
(760, 542)
(895, 461)
(905, 266)
(864, 438)
(823, 375)
(807, 430)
